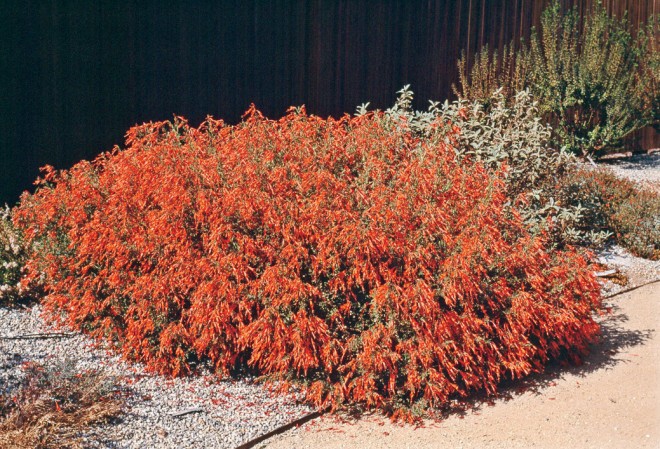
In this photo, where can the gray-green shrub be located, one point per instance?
(595, 81)
(13, 254)
(508, 136)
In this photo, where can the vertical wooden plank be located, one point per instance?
(78, 73)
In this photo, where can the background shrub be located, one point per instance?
(618, 206)
(552, 192)
(351, 256)
(594, 81)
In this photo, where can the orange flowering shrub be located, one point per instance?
(346, 255)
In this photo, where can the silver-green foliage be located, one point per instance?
(12, 259)
(507, 136)
(510, 136)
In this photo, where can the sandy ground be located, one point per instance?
(611, 401)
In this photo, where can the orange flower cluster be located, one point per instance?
(346, 255)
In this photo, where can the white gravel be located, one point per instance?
(234, 412)
(639, 271)
(641, 168)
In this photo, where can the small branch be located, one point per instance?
(282, 429)
(630, 289)
(604, 274)
(41, 336)
(187, 412)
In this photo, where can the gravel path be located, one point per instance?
(642, 168)
(645, 170)
(237, 411)
(639, 271)
(234, 412)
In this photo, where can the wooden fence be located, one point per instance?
(76, 74)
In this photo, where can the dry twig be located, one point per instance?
(54, 406)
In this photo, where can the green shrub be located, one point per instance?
(594, 81)
(545, 185)
(490, 72)
(611, 204)
(509, 136)
(650, 69)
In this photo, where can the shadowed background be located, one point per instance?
(75, 75)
